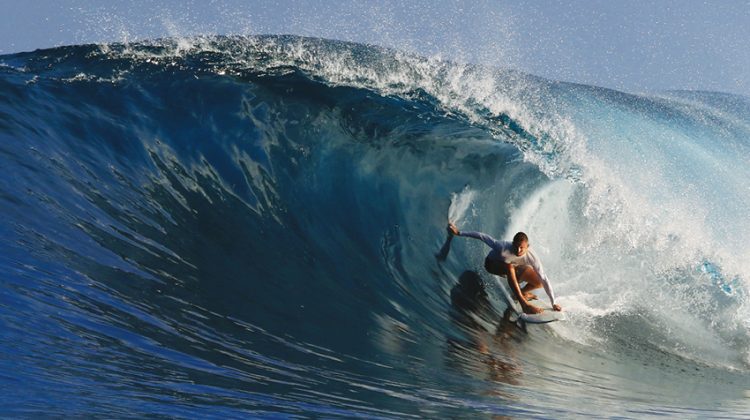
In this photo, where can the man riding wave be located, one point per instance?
(518, 263)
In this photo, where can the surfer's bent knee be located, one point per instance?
(530, 275)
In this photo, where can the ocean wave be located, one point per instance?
(251, 223)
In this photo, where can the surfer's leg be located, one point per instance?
(498, 268)
(532, 280)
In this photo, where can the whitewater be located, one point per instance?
(232, 227)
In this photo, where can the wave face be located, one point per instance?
(231, 227)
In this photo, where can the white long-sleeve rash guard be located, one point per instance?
(503, 251)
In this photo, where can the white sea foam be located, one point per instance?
(460, 204)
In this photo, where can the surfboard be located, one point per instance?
(549, 314)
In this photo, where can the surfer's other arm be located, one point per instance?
(536, 264)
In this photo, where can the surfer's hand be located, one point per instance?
(557, 307)
(452, 229)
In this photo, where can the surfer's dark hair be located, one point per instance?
(520, 238)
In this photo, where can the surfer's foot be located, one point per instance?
(531, 309)
(529, 296)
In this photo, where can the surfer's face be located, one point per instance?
(521, 248)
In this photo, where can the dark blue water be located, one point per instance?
(247, 227)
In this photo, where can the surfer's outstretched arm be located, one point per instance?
(489, 240)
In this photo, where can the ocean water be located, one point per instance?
(224, 227)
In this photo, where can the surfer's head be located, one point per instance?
(520, 244)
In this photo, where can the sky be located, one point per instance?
(629, 45)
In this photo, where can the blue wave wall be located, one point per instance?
(246, 226)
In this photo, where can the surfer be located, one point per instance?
(518, 263)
